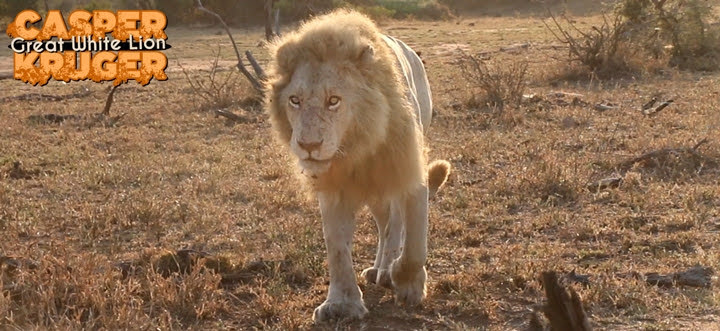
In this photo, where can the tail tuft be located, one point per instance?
(438, 172)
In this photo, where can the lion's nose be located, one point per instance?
(309, 147)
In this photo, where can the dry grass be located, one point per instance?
(168, 178)
(499, 84)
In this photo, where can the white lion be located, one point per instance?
(352, 105)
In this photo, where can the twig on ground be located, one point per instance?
(231, 116)
(646, 107)
(109, 101)
(656, 154)
(47, 97)
(51, 118)
(647, 110)
(564, 310)
(700, 143)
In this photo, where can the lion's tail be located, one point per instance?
(438, 172)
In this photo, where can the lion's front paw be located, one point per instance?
(370, 275)
(339, 309)
(378, 276)
(409, 284)
(384, 279)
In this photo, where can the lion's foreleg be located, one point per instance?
(408, 271)
(344, 297)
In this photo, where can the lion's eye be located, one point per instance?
(295, 101)
(333, 102)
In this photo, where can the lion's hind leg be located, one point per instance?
(381, 214)
(388, 218)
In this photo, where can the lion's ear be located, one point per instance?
(367, 55)
(286, 56)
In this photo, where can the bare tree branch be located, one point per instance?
(277, 22)
(269, 35)
(258, 69)
(253, 80)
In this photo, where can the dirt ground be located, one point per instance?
(90, 214)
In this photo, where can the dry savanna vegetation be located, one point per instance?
(583, 143)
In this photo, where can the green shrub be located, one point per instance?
(293, 10)
(10, 8)
(642, 36)
(98, 5)
(377, 13)
(434, 11)
(682, 25)
(461, 5)
(177, 11)
(696, 45)
(431, 10)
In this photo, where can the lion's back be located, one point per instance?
(415, 79)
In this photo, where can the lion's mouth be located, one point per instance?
(313, 167)
(318, 161)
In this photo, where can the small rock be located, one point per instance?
(610, 182)
(697, 276)
(569, 122)
(531, 98)
(560, 94)
(604, 106)
(578, 278)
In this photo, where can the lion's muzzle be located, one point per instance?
(310, 146)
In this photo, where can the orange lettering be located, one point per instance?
(103, 67)
(153, 65)
(103, 22)
(54, 27)
(152, 24)
(51, 64)
(25, 69)
(127, 67)
(18, 28)
(127, 24)
(80, 23)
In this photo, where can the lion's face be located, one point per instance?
(319, 108)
